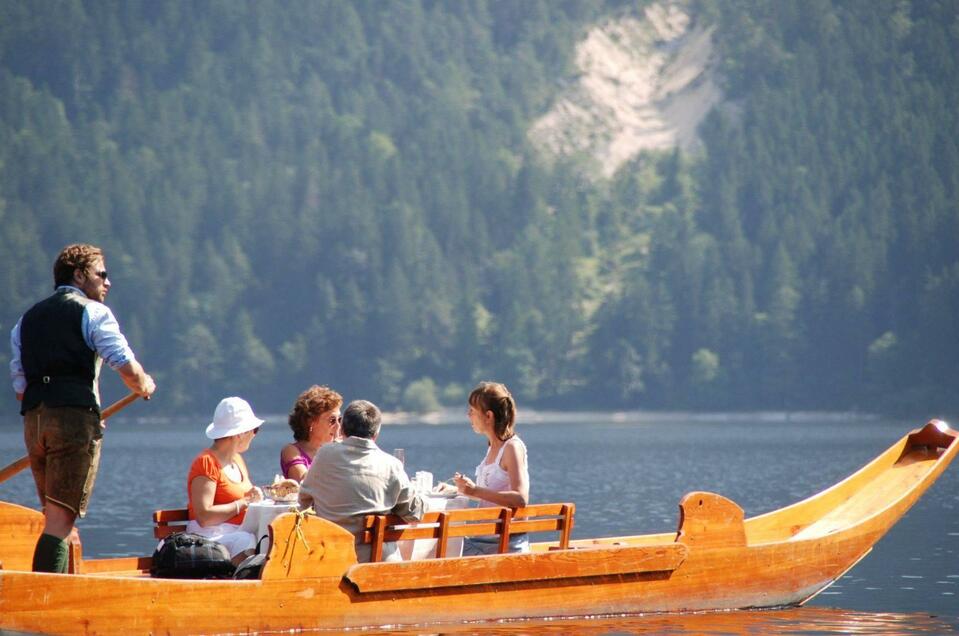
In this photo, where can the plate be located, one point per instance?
(292, 497)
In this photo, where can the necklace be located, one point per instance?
(232, 471)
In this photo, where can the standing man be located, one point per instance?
(354, 478)
(58, 346)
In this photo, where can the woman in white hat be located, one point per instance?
(219, 485)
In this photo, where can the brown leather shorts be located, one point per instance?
(64, 447)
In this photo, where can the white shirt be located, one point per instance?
(492, 475)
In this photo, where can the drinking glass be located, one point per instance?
(424, 481)
(400, 454)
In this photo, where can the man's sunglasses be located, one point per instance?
(102, 274)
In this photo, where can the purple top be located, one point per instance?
(300, 460)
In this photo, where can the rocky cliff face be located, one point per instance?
(644, 84)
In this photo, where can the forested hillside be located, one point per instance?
(346, 193)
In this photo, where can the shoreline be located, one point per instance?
(532, 416)
(456, 416)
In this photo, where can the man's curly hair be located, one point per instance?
(73, 257)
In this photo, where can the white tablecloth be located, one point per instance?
(260, 514)
(426, 548)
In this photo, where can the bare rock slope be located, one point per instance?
(644, 84)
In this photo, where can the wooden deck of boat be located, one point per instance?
(860, 496)
(873, 497)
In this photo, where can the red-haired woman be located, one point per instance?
(315, 421)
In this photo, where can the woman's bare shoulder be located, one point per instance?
(290, 451)
(515, 449)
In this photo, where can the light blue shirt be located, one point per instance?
(101, 332)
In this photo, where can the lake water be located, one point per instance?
(626, 474)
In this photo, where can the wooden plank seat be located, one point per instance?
(166, 522)
(470, 522)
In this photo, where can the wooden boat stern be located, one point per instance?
(935, 435)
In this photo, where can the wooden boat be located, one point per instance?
(715, 560)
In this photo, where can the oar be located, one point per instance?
(12, 469)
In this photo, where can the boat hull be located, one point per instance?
(715, 561)
(719, 579)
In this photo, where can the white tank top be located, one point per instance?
(492, 475)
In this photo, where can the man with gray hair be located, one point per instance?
(354, 478)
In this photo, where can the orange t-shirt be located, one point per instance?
(227, 491)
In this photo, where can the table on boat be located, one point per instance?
(259, 515)
(426, 548)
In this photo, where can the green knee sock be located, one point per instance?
(51, 554)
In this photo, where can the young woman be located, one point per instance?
(502, 478)
(219, 485)
(315, 421)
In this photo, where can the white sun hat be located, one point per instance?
(233, 416)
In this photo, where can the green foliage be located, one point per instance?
(420, 396)
(343, 193)
(705, 367)
(453, 394)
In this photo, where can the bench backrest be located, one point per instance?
(470, 522)
(166, 522)
(442, 526)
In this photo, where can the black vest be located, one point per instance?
(61, 369)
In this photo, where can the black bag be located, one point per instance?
(184, 555)
(251, 567)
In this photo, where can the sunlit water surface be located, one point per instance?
(626, 475)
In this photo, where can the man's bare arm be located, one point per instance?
(136, 379)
